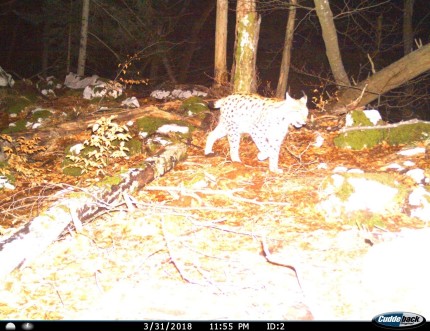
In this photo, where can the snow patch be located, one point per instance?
(412, 151)
(172, 128)
(131, 102)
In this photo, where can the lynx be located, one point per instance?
(265, 120)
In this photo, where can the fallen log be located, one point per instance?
(50, 133)
(73, 210)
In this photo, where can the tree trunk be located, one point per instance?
(45, 51)
(248, 27)
(220, 66)
(408, 42)
(396, 74)
(69, 43)
(286, 54)
(84, 38)
(193, 41)
(408, 35)
(325, 17)
(169, 69)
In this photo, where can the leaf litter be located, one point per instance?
(193, 248)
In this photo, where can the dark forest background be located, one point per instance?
(41, 38)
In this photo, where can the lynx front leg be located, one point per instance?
(216, 134)
(275, 148)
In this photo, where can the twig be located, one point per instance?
(229, 193)
(171, 254)
(372, 65)
(269, 257)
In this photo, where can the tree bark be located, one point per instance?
(193, 41)
(396, 74)
(69, 41)
(248, 27)
(286, 54)
(325, 17)
(408, 35)
(220, 66)
(84, 37)
(45, 50)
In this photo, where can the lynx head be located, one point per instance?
(297, 110)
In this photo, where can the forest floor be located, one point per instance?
(209, 240)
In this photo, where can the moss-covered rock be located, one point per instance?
(134, 146)
(150, 125)
(194, 106)
(68, 165)
(359, 139)
(18, 126)
(14, 105)
(393, 135)
(40, 113)
(344, 195)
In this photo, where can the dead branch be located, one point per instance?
(32, 239)
(228, 193)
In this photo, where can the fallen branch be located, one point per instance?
(31, 240)
(228, 193)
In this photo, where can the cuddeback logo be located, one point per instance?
(399, 319)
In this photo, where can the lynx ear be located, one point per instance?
(304, 98)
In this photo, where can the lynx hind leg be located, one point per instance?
(234, 141)
(219, 132)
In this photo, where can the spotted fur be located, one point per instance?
(265, 120)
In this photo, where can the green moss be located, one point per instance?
(359, 118)
(194, 106)
(111, 181)
(10, 177)
(70, 170)
(67, 164)
(42, 113)
(408, 133)
(358, 140)
(402, 134)
(134, 146)
(14, 105)
(151, 124)
(20, 125)
(366, 220)
(345, 191)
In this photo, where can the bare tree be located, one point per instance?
(408, 35)
(247, 33)
(84, 37)
(390, 77)
(286, 54)
(193, 41)
(220, 67)
(325, 17)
